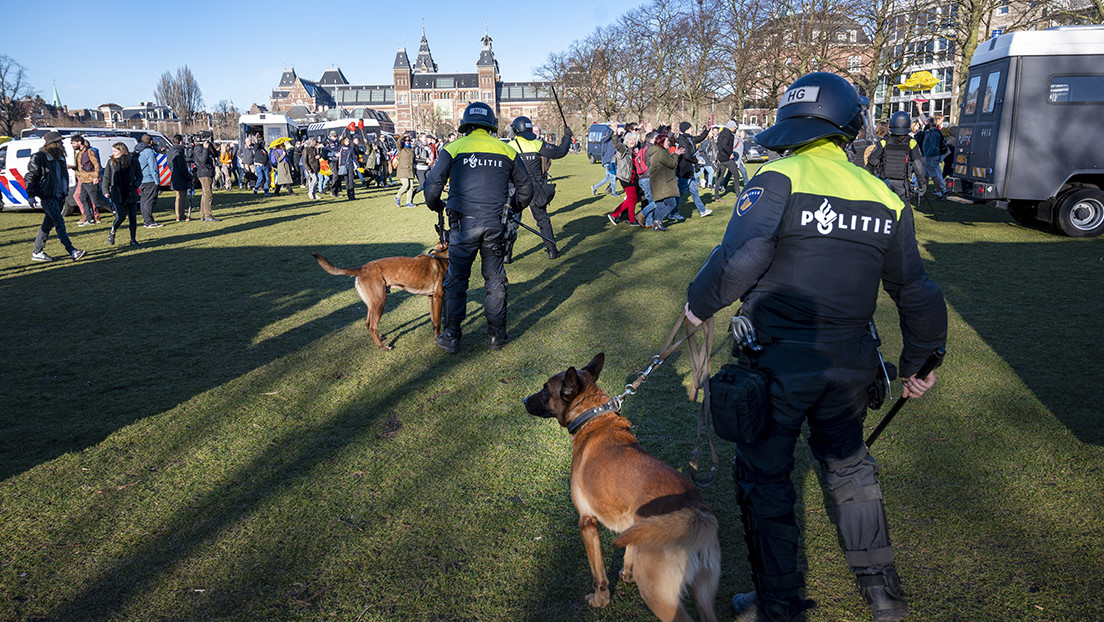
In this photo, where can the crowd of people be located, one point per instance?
(658, 168)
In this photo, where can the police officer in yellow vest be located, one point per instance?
(479, 170)
(532, 151)
(811, 239)
(896, 158)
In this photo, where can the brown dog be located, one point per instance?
(423, 275)
(669, 535)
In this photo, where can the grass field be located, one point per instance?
(202, 429)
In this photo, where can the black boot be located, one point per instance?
(449, 340)
(553, 253)
(884, 595)
(497, 338)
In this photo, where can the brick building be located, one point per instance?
(419, 96)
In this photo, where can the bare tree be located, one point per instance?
(14, 91)
(180, 93)
(697, 36)
(226, 120)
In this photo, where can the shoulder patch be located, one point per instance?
(747, 199)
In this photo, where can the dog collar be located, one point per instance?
(612, 406)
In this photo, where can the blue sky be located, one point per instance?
(112, 51)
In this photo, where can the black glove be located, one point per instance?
(567, 132)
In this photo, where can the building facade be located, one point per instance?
(419, 97)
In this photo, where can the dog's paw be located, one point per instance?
(385, 347)
(627, 575)
(598, 599)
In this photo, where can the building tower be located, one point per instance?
(403, 74)
(425, 63)
(487, 68)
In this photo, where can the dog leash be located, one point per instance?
(699, 371)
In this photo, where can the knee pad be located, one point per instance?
(857, 495)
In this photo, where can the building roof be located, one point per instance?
(332, 76)
(287, 79)
(424, 63)
(445, 81)
(401, 61)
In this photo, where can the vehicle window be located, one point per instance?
(972, 95)
(23, 153)
(160, 143)
(1076, 89)
(990, 99)
(3, 158)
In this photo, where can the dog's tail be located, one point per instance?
(685, 544)
(332, 269)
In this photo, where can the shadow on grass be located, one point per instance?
(1038, 305)
(173, 336)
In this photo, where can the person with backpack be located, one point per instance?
(608, 152)
(86, 163)
(47, 181)
(661, 172)
(934, 148)
(260, 166)
(629, 178)
(896, 157)
(684, 172)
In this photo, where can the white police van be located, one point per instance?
(16, 154)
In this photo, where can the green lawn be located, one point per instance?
(202, 429)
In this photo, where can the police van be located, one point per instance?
(16, 155)
(268, 126)
(1029, 131)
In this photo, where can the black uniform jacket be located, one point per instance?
(532, 150)
(479, 169)
(810, 239)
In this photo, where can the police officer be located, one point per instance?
(479, 169)
(809, 240)
(896, 157)
(532, 151)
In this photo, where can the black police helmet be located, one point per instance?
(817, 105)
(478, 114)
(900, 123)
(523, 126)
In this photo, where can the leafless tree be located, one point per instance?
(181, 93)
(226, 120)
(14, 91)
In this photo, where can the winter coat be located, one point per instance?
(608, 150)
(147, 160)
(46, 177)
(247, 157)
(725, 143)
(310, 159)
(120, 185)
(178, 164)
(204, 161)
(661, 173)
(88, 168)
(404, 165)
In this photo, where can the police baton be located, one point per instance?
(560, 108)
(935, 359)
(442, 233)
(512, 217)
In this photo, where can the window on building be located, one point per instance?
(853, 36)
(488, 97)
(402, 98)
(1003, 8)
(1076, 89)
(854, 64)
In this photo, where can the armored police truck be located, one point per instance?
(1030, 134)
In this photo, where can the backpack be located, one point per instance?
(640, 164)
(625, 166)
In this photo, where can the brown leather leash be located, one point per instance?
(699, 373)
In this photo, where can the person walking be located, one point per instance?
(404, 168)
(47, 181)
(225, 162)
(260, 166)
(122, 177)
(934, 149)
(533, 153)
(86, 163)
(730, 158)
(204, 157)
(684, 172)
(312, 168)
(151, 179)
(181, 180)
(479, 185)
(608, 154)
(661, 180)
(346, 168)
(282, 162)
(810, 241)
(626, 157)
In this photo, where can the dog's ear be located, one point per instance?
(570, 385)
(594, 367)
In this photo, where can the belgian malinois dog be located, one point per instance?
(423, 275)
(669, 535)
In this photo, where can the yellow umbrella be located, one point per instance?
(919, 81)
(279, 141)
(4, 139)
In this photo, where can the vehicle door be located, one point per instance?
(976, 150)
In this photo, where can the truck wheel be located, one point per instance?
(1081, 214)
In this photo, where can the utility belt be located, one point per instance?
(740, 392)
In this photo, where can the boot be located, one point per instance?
(884, 595)
(553, 253)
(497, 338)
(449, 340)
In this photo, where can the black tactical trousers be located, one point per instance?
(467, 236)
(826, 385)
